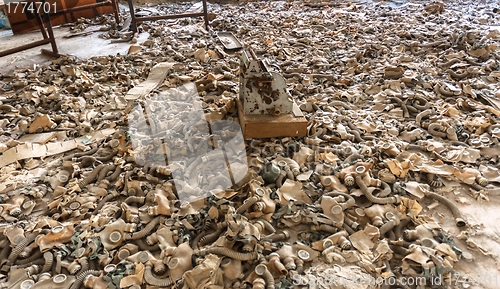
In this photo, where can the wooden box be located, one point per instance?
(268, 126)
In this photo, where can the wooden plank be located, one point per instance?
(268, 126)
(155, 78)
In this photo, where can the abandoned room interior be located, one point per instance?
(249, 144)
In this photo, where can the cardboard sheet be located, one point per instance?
(41, 138)
(155, 78)
(34, 150)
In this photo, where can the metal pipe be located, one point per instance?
(164, 17)
(24, 47)
(83, 7)
(50, 31)
(205, 14)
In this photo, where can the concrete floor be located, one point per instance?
(75, 46)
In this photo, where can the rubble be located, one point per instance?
(402, 107)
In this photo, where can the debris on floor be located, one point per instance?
(131, 171)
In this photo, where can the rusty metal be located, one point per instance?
(266, 108)
(48, 35)
(229, 41)
(139, 19)
(261, 90)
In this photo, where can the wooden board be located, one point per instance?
(25, 22)
(267, 126)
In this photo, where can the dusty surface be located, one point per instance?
(72, 46)
(362, 73)
(82, 47)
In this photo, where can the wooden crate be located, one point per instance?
(268, 126)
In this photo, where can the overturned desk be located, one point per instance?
(46, 13)
(138, 19)
(93, 6)
(45, 28)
